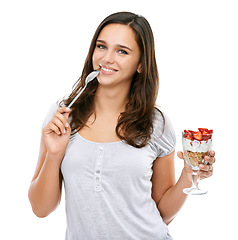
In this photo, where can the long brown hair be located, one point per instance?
(135, 124)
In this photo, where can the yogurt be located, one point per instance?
(197, 146)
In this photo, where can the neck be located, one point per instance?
(109, 100)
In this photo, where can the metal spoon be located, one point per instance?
(89, 78)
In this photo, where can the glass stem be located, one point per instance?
(195, 179)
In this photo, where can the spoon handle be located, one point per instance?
(89, 78)
(70, 105)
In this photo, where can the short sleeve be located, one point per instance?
(163, 137)
(53, 108)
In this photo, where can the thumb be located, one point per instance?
(180, 154)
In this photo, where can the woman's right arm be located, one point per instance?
(45, 188)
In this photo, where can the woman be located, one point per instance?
(113, 148)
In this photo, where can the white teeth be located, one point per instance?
(107, 70)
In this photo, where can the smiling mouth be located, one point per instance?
(106, 69)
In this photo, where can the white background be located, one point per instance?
(43, 45)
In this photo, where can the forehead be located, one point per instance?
(115, 34)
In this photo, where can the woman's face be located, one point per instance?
(117, 54)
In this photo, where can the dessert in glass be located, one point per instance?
(196, 145)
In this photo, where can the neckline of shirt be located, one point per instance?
(98, 143)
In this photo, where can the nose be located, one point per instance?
(108, 56)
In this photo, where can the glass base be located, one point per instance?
(194, 191)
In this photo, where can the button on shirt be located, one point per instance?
(108, 187)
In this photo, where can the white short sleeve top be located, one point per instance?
(108, 186)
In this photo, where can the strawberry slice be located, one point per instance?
(187, 134)
(203, 134)
(205, 137)
(203, 130)
(197, 136)
(189, 137)
(206, 134)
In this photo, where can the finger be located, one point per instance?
(180, 154)
(209, 159)
(66, 115)
(59, 123)
(63, 110)
(206, 168)
(62, 118)
(53, 128)
(212, 153)
(204, 174)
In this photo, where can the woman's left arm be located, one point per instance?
(166, 192)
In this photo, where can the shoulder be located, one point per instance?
(161, 122)
(163, 136)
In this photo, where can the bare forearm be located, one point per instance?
(45, 191)
(173, 199)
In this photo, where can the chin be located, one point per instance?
(105, 79)
(104, 82)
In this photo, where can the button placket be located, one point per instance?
(98, 169)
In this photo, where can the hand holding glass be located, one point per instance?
(196, 145)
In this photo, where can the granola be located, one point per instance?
(196, 158)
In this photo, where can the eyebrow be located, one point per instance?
(118, 45)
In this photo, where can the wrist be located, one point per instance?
(186, 176)
(55, 157)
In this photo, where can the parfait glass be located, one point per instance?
(194, 153)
